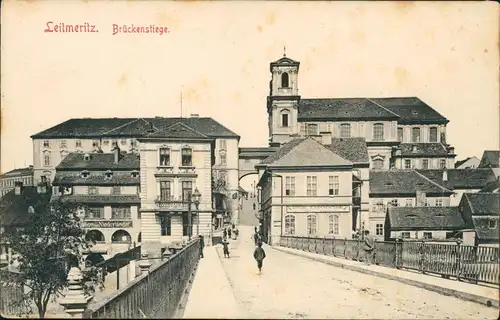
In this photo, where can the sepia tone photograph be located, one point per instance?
(250, 160)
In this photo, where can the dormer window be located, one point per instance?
(31, 210)
(86, 157)
(414, 149)
(135, 174)
(66, 191)
(95, 143)
(85, 174)
(285, 80)
(187, 156)
(108, 174)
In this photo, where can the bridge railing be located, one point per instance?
(476, 264)
(153, 295)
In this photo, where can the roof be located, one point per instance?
(102, 199)
(18, 172)
(474, 161)
(284, 62)
(347, 109)
(435, 149)
(14, 208)
(299, 155)
(132, 127)
(483, 203)
(285, 149)
(490, 158)
(256, 152)
(461, 178)
(178, 130)
(118, 178)
(403, 182)
(352, 149)
(483, 230)
(411, 110)
(492, 186)
(425, 218)
(99, 161)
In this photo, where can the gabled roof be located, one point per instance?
(412, 110)
(14, 208)
(484, 203)
(463, 162)
(352, 149)
(284, 62)
(425, 218)
(131, 127)
(342, 109)
(99, 161)
(285, 148)
(461, 178)
(178, 130)
(491, 159)
(403, 182)
(307, 152)
(436, 149)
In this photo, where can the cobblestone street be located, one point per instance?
(295, 287)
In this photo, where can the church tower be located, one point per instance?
(282, 102)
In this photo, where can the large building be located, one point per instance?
(8, 179)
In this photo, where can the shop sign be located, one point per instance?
(107, 224)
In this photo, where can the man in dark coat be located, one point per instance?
(259, 255)
(369, 245)
(202, 245)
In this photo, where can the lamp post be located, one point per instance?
(193, 198)
(196, 200)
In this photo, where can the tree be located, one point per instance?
(46, 249)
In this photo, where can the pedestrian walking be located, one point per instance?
(233, 226)
(259, 255)
(225, 245)
(224, 233)
(229, 233)
(202, 245)
(369, 245)
(237, 233)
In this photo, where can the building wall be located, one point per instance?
(229, 146)
(361, 129)
(424, 132)
(8, 183)
(417, 163)
(439, 234)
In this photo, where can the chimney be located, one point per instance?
(326, 138)
(150, 129)
(445, 175)
(420, 198)
(117, 153)
(451, 150)
(18, 188)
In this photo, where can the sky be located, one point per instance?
(217, 55)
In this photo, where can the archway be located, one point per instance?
(121, 236)
(249, 204)
(95, 236)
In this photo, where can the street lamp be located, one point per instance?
(196, 200)
(193, 198)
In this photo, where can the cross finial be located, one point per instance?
(284, 51)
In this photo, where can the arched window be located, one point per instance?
(285, 80)
(345, 130)
(333, 224)
(289, 224)
(378, 131)
(311, 225)
(187, 157)
(46, 159)
(95, 236)
(415, 135)
(121, 236)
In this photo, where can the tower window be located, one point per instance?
(285, 79)
(284, 120)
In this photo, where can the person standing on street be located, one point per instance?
(202, 245)
(369, 245)
(224, 233)
(259, 255)
(229, 233)
(225, 245)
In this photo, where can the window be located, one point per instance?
(407, 164)
(433, 135)
(311, 225)
(379, 229)
(290, 187)
(223, 159)
(123, 142)
(94, 213)
(95, 143)
(63, 144)
(378, 131)
(285, 79)
(116, 190)
(425, 164)
(311, 186)
(289, 224)
(492, 224)
(408, 202)
(92, 190)
(427, 235)
(165, 225)
(333, 185)
(400, 134)
(284, 120)
(185, 225)
(223, 144)
(121, 212)
(105, 142)
(78, 143)
(415, 135)
(312, 129)
(405, 235)
(187, 188)
(345, 130)
(442, 163)
(187, 157)
(165, 191)
(333, 224)
(378, 164)
(164, 157)
(84, 174)
(133, 143)
(394, 202)
(439, 202)
(46, 159)
(426, 202)
(46, 143)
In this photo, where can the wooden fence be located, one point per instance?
(476, 264)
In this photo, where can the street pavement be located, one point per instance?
(295, 287)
